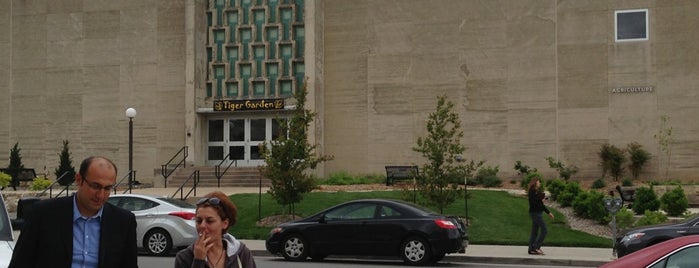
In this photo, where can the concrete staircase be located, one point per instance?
(234, 177)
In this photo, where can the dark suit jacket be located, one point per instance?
(47, 237)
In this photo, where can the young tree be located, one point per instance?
(289, 156)
(438, 180)
(665, 140)
(15, 166)
(65, 168)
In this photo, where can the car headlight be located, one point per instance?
(630, 237)
(276, 231)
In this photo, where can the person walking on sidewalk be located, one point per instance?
(536, 209)
(215, 247)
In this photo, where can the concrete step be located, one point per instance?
(234, 177)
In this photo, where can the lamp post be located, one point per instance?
(130, 113)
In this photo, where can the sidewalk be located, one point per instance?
(569, 256)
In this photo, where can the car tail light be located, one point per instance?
(183, 214)
(445, 224)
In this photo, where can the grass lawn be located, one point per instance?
(497, 218)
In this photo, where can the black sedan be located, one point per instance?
(638, 238)
(371, 227)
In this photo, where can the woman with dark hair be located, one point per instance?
(536, 209)
(215, 247)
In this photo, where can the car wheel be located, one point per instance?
(294, 248)
(157, 242)
(415, 251)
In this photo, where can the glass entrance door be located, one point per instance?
(238, 139)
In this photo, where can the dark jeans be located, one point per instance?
(539, 231)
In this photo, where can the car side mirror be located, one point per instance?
(321, 219)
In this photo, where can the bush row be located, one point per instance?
(590, 204)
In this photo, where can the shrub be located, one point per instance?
(343, 178)
(488, 176)
(645, 199)
(492, 181)
(564, 172)
(555, 187)
(523, 170)
(15, 165)
(674, 202)
(598, 184)
(39, 183)
(627, 182)
(590, 204)
(5, 180)
(651, 218)
(638, 157)
(527, 178)
(612, 160)
(624, 219)
(571, 190)
(65, 167)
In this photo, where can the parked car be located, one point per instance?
(7, 240)
(638, 238)
(371, 227)
(162, 223)
(678, 252)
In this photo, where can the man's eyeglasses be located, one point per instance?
(211, 200)
(96, 186)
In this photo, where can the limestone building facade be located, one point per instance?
(530, 79)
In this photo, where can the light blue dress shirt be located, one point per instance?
(86, 238)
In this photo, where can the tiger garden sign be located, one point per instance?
(248, 105)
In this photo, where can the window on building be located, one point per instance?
(631, 25)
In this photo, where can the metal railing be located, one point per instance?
(195, 177)
(217, 169)
(50, 188)
(122, 180)
(164, 168)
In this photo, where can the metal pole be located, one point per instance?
(130, 153)
(466, 198)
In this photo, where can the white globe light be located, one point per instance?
(130, 112)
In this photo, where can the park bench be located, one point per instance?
(24, 176)
(627, 194)
(394, 173)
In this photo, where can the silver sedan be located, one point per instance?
(162, 223)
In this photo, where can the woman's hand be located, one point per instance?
(551, 215)
(202, 246)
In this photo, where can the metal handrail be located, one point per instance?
(217, 168)
(164, 169)
(50, 188)
(122, 180)
(194, 175)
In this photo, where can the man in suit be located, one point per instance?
(82, 230)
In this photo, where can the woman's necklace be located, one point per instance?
(220, 257)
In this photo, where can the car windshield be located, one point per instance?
(176, 202)
(5, 228)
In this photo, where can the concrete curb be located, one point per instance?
(476, 259)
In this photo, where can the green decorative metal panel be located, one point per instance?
(232, 89)
(255, 48)
(259, 88)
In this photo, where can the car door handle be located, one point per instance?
(149, 215)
